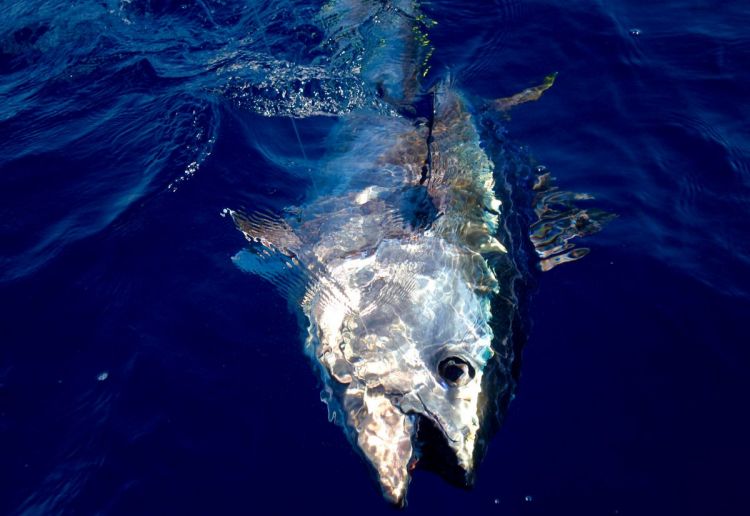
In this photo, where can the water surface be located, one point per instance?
(142, 372)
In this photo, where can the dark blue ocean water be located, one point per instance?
(141, 372)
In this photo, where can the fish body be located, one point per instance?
(408, 287)
(385, 41)
(401, 259)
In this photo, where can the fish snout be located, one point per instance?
(384, 435)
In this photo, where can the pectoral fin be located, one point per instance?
(274, 255)
(269, 230)
(282, 260)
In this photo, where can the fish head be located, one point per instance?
(403, 341)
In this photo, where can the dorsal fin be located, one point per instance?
(528, 95)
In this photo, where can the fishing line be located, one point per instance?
(322, 274)
(268, 50)
(208, 13)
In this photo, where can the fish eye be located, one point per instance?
(455, 370)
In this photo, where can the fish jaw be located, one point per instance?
(385, 427)
(455, 414)
(384, 436)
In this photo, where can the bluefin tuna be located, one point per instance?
(400, 263)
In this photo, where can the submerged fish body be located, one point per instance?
(406, 307)
(387, 42)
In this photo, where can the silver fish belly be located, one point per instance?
(408, 288)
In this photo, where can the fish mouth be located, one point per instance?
(437, 453)
(396, 442)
